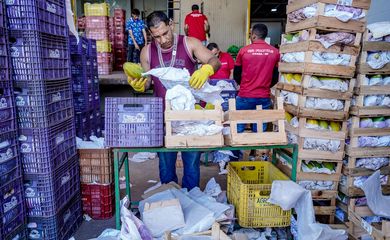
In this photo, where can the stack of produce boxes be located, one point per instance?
(120, 38)
(12, 208)
(318, 61)
(40, 61)
(368, 149)
(97, 188)
(85, 87)
(96, 27)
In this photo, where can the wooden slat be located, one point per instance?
(316, 46)
(294, 5)
(376, 46)
(317, 69)
(364, 68)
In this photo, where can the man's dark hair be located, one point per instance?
(211, 46)
(135, 11)
(260, 30)
(195, 7)
(155, 18)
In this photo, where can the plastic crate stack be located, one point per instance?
(85, 81)
(12, 207)
(369, 137)
(97, 188)
(97, 27)
(40, 61)
(318, 62)
(120, 38)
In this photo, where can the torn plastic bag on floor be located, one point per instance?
(287, 195)
(377, 202)
(171, 77)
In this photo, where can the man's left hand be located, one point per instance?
(200, 76)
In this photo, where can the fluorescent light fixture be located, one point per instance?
(274, 10)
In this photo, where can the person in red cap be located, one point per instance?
(196, 25)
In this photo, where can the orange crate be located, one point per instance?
(96, 166)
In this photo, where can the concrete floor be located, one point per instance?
(140, 174)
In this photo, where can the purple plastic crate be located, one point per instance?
(80, 47)
(83, 101)
(81, 65)
(12, 208)
(83, 123)
(134, 122)
(9, 160)
(44, 105)
(17, 234)
(48, 16)
(81, 84)
(2, 15)
(92, 50)
(60, 226)
(4, 60)
(46, 194)
(37, 56)
(44, 149)
(226, 94)
(7, 107)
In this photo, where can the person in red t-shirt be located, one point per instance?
(196, 25)
(253, 70)
(227, 62)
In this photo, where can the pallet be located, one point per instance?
(304, 88)
(175, 141)
(364, 68)
(215, 233)
(316, 46)
(378, 231)
(308, 67)
(302, 111)
(374, 46)
(233, 117)
(312, 32)
(319, 21)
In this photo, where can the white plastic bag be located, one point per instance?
(128, 229)
(377, 202)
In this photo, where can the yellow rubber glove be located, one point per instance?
(137, 84)
(200, 76)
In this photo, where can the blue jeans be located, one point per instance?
(250, 104)
(191, 165)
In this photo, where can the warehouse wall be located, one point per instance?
(227, 20)
(379, 11)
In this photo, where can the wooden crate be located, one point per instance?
(374, 46)
(362, 87)
(355, 132)
(215, 233)
(312, 42)
(364, 68)
(326, 210)
(304, 88)
(351, 171)
(316, 46)
(308, 67)
(378, 231)
(302, 111)
(322, 22)
(302, 132)
(234, 117)
(175, 141)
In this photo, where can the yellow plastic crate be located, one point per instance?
(248, 189)
(103, 46)
(96, 9)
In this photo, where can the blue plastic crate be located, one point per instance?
(92, 50)
(12, 210)
(4, 58)
(48, 16)
(2, 15)
(9, 161)
(80, 47)
(44, 149)
(44, 104)
(134, 122)
(37, 56)
(58, 227)
(226, 94)
(83, 101)
(81, 65)
(46, 194)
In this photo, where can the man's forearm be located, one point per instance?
(215, 63)
(237, 74)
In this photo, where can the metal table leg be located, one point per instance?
(117, 190)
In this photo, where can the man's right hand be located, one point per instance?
(137, 47)
(137, 84)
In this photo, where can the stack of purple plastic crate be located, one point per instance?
(40, 60)
(12, 208)
(84, 69)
